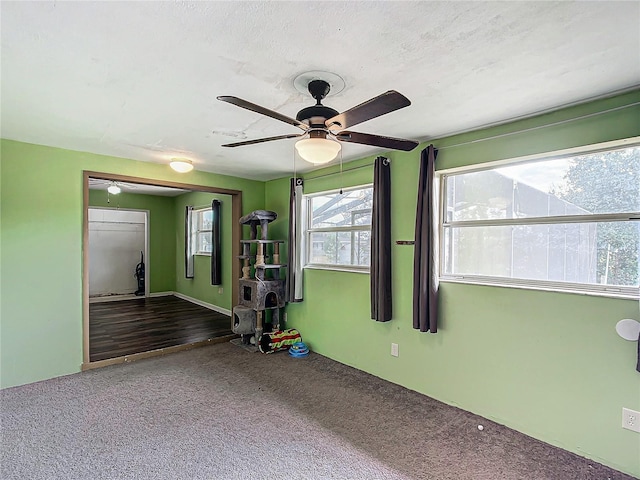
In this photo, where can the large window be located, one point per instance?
(338, 228)
(568, 223)
(202, 222)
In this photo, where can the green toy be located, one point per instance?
(279, 340)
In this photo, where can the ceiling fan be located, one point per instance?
(322, 125)
(112, 186)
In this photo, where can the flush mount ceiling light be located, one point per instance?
(114, 189)
(182, 165)
(317, 150)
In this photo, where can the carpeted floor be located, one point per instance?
(220, 412)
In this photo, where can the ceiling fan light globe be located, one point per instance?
(181, 165)
(318, 150)
(114, 189)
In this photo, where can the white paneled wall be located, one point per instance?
(116, 238)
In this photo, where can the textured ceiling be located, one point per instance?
(140, 79)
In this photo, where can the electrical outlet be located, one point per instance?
(631, 419)
(220, 290)
(394, 349)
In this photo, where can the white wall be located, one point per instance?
(116, 238)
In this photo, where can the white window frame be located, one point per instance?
(196, 230)
(308, 231)
(631, 292)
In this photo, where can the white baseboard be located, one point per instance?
(161, 294)
(210, 306)
(115, 298)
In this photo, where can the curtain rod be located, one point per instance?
(205, 206)
(560, 122)
(388, 161)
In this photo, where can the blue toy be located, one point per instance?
(298, 350)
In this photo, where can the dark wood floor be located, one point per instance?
(134, 326)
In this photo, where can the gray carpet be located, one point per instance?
(220, 412)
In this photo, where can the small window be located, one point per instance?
(566, 223)
(202, 222)
(338, 229)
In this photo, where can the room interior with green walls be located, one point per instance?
(200, 286)
(166, 243)
(162, 227)
(547, 364)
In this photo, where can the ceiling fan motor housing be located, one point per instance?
(319, 111)
(318, 90)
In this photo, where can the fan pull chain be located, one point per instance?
(341, 180)
(295, 178)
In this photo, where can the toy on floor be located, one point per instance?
(299, 350)
(279, 340)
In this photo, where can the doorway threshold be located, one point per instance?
(155, 353)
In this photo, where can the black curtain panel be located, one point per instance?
(425, 282)
(380, 271)
(294, 266)
(216, 261)
(188, 246)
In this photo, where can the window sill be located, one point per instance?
(627, 293)
(338, 268)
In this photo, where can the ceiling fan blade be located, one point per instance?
(261, 140)
(264, 111)
(377, 140)
(377, 106)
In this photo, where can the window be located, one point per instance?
(202, 222)
(567, 223)
(338, 228)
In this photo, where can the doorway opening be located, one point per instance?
(112, 226)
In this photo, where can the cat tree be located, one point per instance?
(265, 290)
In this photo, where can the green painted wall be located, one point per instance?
(162, 228)
(41, 257)
(200, 286)
(547, 364)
